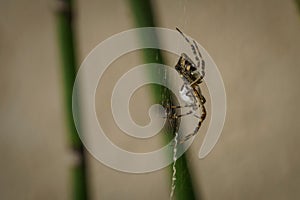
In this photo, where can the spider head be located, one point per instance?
(187, 69)
(185, 66)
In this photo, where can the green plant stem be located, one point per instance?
(68, 63)
(298, 4)
(143, 16)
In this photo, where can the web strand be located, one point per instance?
(173, 186)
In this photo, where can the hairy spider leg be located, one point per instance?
(202, 118)
(175, 116)
(192, 46)
(184, 106)
(185, 114)
(202, 60)
(177, 107)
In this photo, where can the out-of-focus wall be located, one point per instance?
(255, 45)
(32, 135)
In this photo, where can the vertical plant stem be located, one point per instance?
(298, 4)
(68, 63)
(143, 16)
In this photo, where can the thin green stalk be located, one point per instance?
(68, 63)
(143, 16)
(298, 4)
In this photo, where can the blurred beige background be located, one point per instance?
(256, 46)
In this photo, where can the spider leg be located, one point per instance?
(192, 46)
(185, 114)
(202, 60)
(202, 118)
(195, 81)
(174, 116)
(202, 99)
(196, 116)
(184, 106)
(197, 48)
(198, 93)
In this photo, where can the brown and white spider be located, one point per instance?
(192, 75)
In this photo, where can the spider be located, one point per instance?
(190, 91)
